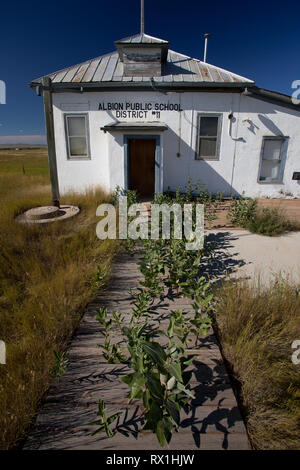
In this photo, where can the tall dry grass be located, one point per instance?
(46, 279)
(257, 327)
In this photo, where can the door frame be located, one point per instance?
(157, 157)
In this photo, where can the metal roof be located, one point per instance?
(142, 38)
(178, 68)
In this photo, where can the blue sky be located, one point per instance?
(258, 39)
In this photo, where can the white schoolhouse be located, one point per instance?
(147, 118)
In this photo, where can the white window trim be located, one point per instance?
(219, 136)
(87, 134)
(283, 140)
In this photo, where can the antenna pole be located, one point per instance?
(142, 17)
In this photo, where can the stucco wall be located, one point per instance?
(235, 172)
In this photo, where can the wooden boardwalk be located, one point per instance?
(213, 423)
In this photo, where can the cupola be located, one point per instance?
(142, 55)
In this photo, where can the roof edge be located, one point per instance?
(152, 85)
(141, 35)
(271, 97)
(144, 44)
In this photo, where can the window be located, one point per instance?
(271, 159)
(77, 135)
(209, 136)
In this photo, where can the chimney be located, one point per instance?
(206, 36)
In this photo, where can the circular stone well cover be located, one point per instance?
(44, 214)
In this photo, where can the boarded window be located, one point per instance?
(77, 136)
(271, 159)
(209, 135)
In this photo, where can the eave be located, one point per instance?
(145, 86)
(272, 97)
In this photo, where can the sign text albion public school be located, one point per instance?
(138, 110)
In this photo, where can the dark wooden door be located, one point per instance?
(142, 166)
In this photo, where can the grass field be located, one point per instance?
(256, 327)
(35, 161)
(47, 275)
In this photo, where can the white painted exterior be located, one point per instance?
(235, 172)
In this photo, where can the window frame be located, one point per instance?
(87, 135)
(219, 137)
(279, 179)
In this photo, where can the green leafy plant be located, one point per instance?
(60, 365)
(105, 421)
(111, 352)
(130, 246)
(193, 193)
(242, 211)
(132, 196)
(160, 380)
(202, 307)
(152, 266)
(141, 303)
(100, 275)
(270, 222)
(118, 319)
(115, 196)
(179, 325)
(265, 221)
(99, 279)
(211, 205)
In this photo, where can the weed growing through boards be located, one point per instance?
(159, 374)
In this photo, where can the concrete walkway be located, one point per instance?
(214, 421)
(247, 255)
